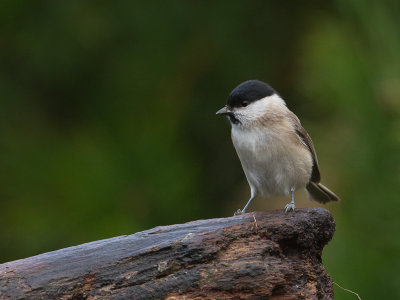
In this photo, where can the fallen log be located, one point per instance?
(260, 255)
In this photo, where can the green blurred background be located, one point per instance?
(108, 126)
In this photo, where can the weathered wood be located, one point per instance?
(276, 257)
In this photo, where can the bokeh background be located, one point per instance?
(108, 125)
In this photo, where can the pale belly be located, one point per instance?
(272, 162)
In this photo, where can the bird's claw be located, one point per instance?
(289, 207)
(238, 212)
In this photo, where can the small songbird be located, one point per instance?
(276, 152)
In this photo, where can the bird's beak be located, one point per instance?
(223, 111)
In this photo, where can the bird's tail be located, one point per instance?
(320, 193)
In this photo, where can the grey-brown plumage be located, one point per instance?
(276, 152)
(316, 190)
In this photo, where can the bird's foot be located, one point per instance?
(238, 212)
(289, 207)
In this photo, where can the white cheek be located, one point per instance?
(258, 109)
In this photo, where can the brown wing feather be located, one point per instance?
(307, 141)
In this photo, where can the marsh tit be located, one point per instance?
(276, 152)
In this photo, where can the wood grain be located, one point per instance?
(261, 255)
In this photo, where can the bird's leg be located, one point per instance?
(239, 212)
(290, 206)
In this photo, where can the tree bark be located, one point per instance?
(260, 255)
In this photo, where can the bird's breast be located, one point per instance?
(273, 159)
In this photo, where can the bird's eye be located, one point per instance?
(245, 103)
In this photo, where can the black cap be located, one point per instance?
(249, 91)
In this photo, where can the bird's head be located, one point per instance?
(250, 101)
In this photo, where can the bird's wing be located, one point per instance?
(307, 141)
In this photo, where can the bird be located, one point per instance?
(276, 153)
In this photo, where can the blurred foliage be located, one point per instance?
(108, 126)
